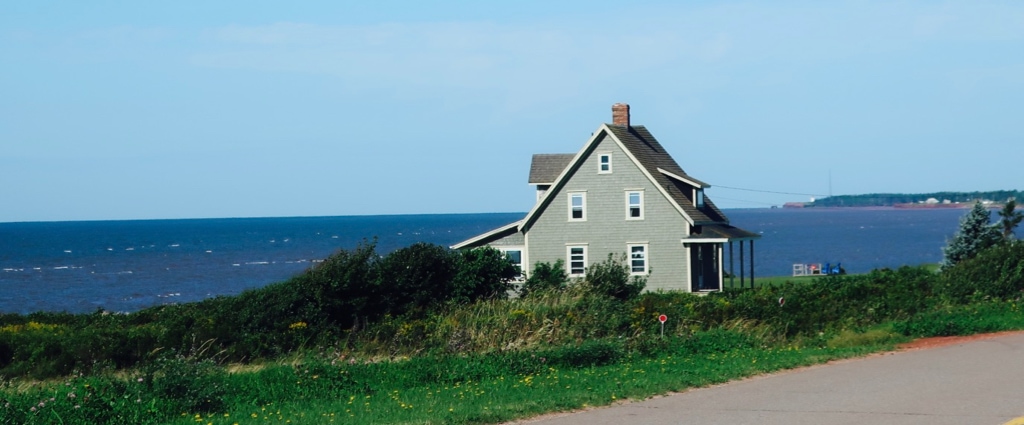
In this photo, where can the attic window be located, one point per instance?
(604, 163)
(700, 198)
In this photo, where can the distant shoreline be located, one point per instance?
(961, 206)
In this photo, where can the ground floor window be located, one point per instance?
(637, 259)
(515, 256)
(577, 260)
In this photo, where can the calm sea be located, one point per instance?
(129, 265)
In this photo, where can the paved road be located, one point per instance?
(979, 382)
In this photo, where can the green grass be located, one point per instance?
(497, 360)
(505, 398)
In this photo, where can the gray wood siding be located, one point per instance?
(606, 229)
(510, 240)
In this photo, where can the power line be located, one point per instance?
(744, 201)
(769, 191)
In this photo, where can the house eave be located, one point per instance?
(690, 181)
(484, 236)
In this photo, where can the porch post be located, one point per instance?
(751, 264)
(732, 271)
(742, 284)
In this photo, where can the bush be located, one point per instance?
(545, 277)
(611, 277)
(186, 385)
(963, 320)
(414, 279)
(997, 272)
(482, 273)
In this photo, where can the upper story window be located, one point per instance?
(634, 205)
(604, 163)
(577, 206)
(700, 198)
(577, 263)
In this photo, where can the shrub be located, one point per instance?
(482, 273)
(996, 272)
(187, 385)
(545, 277)
(415, 278)
(611, 277)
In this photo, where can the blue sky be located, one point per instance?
(130, 110)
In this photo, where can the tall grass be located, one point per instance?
(558, 347)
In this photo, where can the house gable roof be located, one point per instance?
(545, 167)
(652, 159)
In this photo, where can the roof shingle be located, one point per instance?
(545, 167)
(652, 156)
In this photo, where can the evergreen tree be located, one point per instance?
(1010, 218)
(975, 235)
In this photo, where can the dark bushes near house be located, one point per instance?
(610, 277)
(545, 277)
(318, 307)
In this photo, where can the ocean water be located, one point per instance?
(129, 265)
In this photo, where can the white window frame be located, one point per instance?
(583, 205)
(522, 258)
(629, 206)
(600, 157)
(645, 256)
(698, 200)
(569, 260)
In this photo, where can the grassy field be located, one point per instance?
(504, 398)
(486, 361)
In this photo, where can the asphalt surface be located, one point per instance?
(979, 382)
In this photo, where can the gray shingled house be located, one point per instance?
(623, 193)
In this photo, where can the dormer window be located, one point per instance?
(604, 163)
(699, 201)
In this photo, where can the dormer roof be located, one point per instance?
(545, 167)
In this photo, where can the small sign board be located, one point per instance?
(662, 318)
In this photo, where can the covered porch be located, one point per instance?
(707, 257)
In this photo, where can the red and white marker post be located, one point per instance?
(662, 318)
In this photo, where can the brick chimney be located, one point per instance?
(620, 114)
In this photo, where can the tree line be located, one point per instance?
(890, 199)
